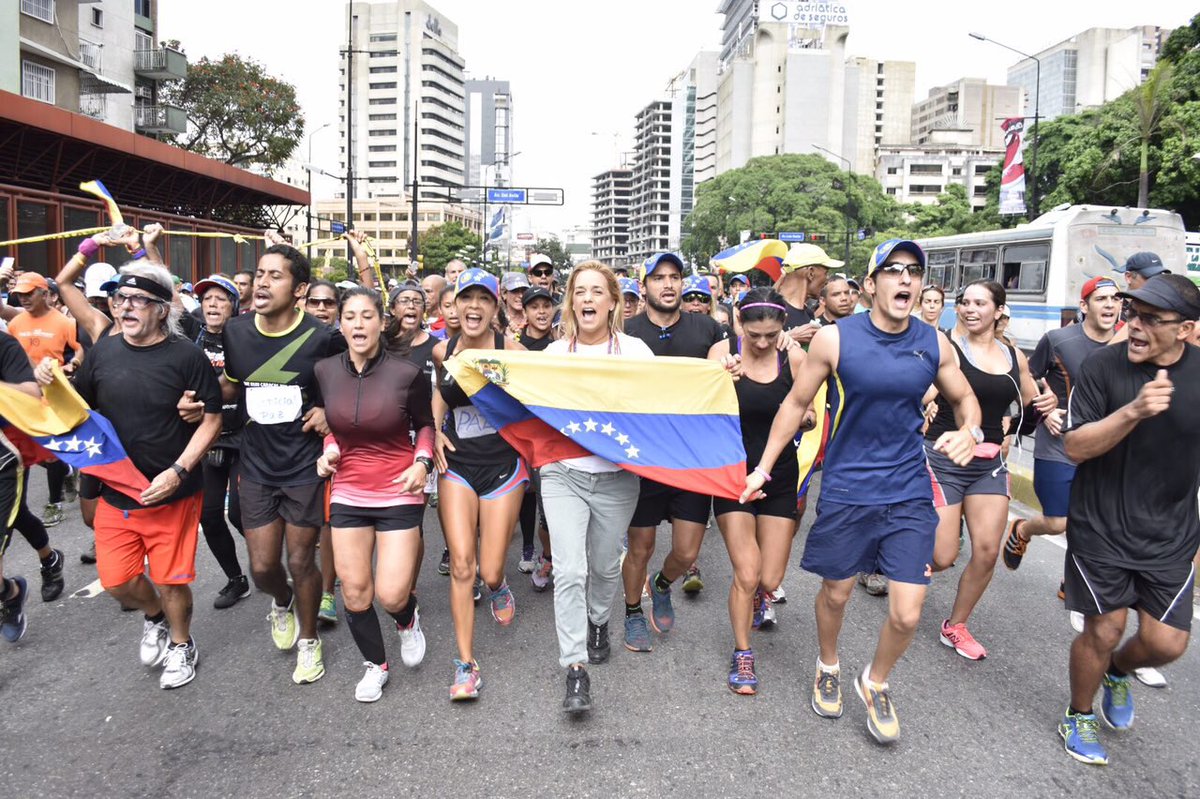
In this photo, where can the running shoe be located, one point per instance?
(89, 554)
(769, 617)
(742, 679)
(756, 618)
(597, 642)
(71, 487)
(467, 681)
(284, 629)
(52, 514)
(155, 639)
(52, 576)
(779, 596)
(959, 638)
(579, 691)
(444, 563)
(1081, 738)
(874, 584)
(12, 613)
(327, 612)
(310, 665)
(412, 641)
(528, 561)
(1014, 546)
(543, 575)
(662, 613)
(637, 633)
(504, 605)
(1116, 708)
(693, 583)
(370, 687)
(1150, 677)
(827, 693)
(179, 666)
(882, 721)
(478, 591)
(237, 589)
(1077, 621)
(1062, 591)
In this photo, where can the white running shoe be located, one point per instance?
(370, 687)
(412, 641)
(779, 596)
(155, 638)
(769, 617)
(1150, 677)
(179, 667)
(1076, 621)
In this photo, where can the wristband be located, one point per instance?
(87, 248)
(762, 473)
(179, 470)
(138, 254)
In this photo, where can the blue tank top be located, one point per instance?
(875, 454)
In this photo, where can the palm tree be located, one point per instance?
(1151, 101)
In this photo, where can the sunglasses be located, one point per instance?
(897, 268)
(1152, 321)
(695, 298)
(541, 273)
(322, 302)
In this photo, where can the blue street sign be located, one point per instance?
(791, 236)
(862, 234)
(506, 195)
(337, 228)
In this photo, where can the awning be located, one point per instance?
(91, 82)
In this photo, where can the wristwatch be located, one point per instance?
(426, 462)
(179, 470)
(976, 433)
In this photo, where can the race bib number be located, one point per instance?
(470, 423)
(273, 404)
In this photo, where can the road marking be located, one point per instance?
(92, 589)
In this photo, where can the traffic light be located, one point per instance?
(817, 238)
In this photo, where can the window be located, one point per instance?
(97, 17)
(383, 70)
(37, 82)
(383, 54)
(983, 169)
(40, 9)
(383, 37)
(141, 8)
(977, 264)
(34, 219)
(1025, 266)
(390, 85)
(382, 101)
(380, 164)
(382, 117)
(893, 170)
(924, 188)
(142, 41)
(381, 148)
(384, 132)
(941, 268)
(956, 171)
(925, 169)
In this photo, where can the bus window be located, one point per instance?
(941, 269)
(1025, 267)
(977, 264)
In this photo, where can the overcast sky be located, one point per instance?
(581, 69)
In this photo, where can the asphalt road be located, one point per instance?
(82, 717)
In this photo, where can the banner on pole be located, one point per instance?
(1012, 180)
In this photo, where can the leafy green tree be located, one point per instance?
(950, 215)
(236, 112)
(554, 248)
(332, 269)
(442, 243)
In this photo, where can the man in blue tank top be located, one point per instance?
(875, 513)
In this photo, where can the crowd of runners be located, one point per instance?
(323, 422)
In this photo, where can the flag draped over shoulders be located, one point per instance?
(672, 420)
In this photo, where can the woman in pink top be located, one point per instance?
(373, 399)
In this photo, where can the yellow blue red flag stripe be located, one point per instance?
(765, 255)
(98, 189)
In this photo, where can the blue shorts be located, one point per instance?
(893, 540)
(1052, 484)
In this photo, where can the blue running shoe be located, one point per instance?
(1117, 707)
(1081, 738)
(742, 679)
(12, 613)
(662, 614)
(637, 634)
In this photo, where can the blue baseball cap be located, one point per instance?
(738, 277)
(218, 282)
(654, 261)
(1146, 264)
(696, 284)
(630, 286)
(477, 277)
(885, 250)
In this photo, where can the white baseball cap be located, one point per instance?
(95, 277)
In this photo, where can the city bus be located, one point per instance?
(1044, 264)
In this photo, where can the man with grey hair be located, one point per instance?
(135, 379)
(454, 268)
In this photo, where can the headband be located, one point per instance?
(146, 284)
(763, 305)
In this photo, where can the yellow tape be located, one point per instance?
(51, 236)
(240, 238)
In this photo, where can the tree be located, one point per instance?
(442, 243)
(554, 248)
(950, 215)
(236, 112)
(334, 270)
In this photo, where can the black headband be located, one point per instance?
(146, 284)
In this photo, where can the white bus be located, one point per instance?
(1044, 264)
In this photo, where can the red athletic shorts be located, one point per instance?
(165, 534)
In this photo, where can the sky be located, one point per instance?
(580, 70)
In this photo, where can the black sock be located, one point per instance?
(10, 590)
(1071, 711)
(1113, 671)
(661, 583)
(49, 559)
(157, 619)
(633, 610)
(404, 616)
(364, 628)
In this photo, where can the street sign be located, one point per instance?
(545, 196)
(862, 234)
(506, 196)
(788, 237)
(337, 228)
(525, 237)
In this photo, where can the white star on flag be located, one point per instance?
(622, 439)
(93, 447)
(74, 444)
(574, 427)
(608, 429)
(53, 444)
(632, 452)
(590, 425)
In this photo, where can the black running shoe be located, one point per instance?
(236, 589)
(52, 576)
(579, 691)
(597, 642)
(444, 565)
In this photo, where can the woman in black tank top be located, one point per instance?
(482, 479)
(758, 535)
(999, 376)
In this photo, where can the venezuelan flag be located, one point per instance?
(765, 255)
(672, 420)
(62, 426)
(98, 189)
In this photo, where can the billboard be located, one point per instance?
(1012, 180)
(803, 14)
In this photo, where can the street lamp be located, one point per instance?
(846, 208)
(308, 168)
(1031, 184)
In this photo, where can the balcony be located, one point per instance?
(159, 119)
(163, 63)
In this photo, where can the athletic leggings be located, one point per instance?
(56, 476)
(27, 524)
(217, 480)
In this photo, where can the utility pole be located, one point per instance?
(416, 120)
(349, 126)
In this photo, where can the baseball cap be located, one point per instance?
(477, 277)
(885, 250)
(805, 254)
(396, 291)
(1170, 293)
(697, 284)
(1146, 264)
(854, 284)
(739, 278)
(514, 280)
(186, 287)
(1089, 288)
(630, 286)
(659, 258)
(30, 281)
(95, 277)
(540, 259)
(535, 293)
(217, 282)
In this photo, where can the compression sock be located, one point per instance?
(364, 628)
(633, 610)
(661, 584)
(404, 616)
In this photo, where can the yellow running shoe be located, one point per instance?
(284, 629)
(310, 666)
(827, 694)
(882, 721)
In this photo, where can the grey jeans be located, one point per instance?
(588, 515)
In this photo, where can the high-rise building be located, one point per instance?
(1089, 69)
(879, 100)
(919, 173)
(692, 154)
(968, 104)
(650, 220)
(611, 194)
(488, 141)
(407, 89)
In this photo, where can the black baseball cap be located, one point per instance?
(1146, 264)
(1170, 293)
(534, 293)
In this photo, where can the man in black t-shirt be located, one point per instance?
(15, 373)
(666, 331)
(269, 360)
(1133, 426)
(135, 380)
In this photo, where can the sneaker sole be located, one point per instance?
(947, 642)
(660, 629)
(574, 710)
(1081, 758)
(310, 679)
(744, 690)
(635, 649)
(825, 714)
(180, 684)
(1110, 725)
(871, 728)
(295, 638)
(1157, 683)
(415, 662)
(370, 699)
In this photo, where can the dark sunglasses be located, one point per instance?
(896, 268)
(541, 273)
(322, 302)
(1152, 321)
(695, 298)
